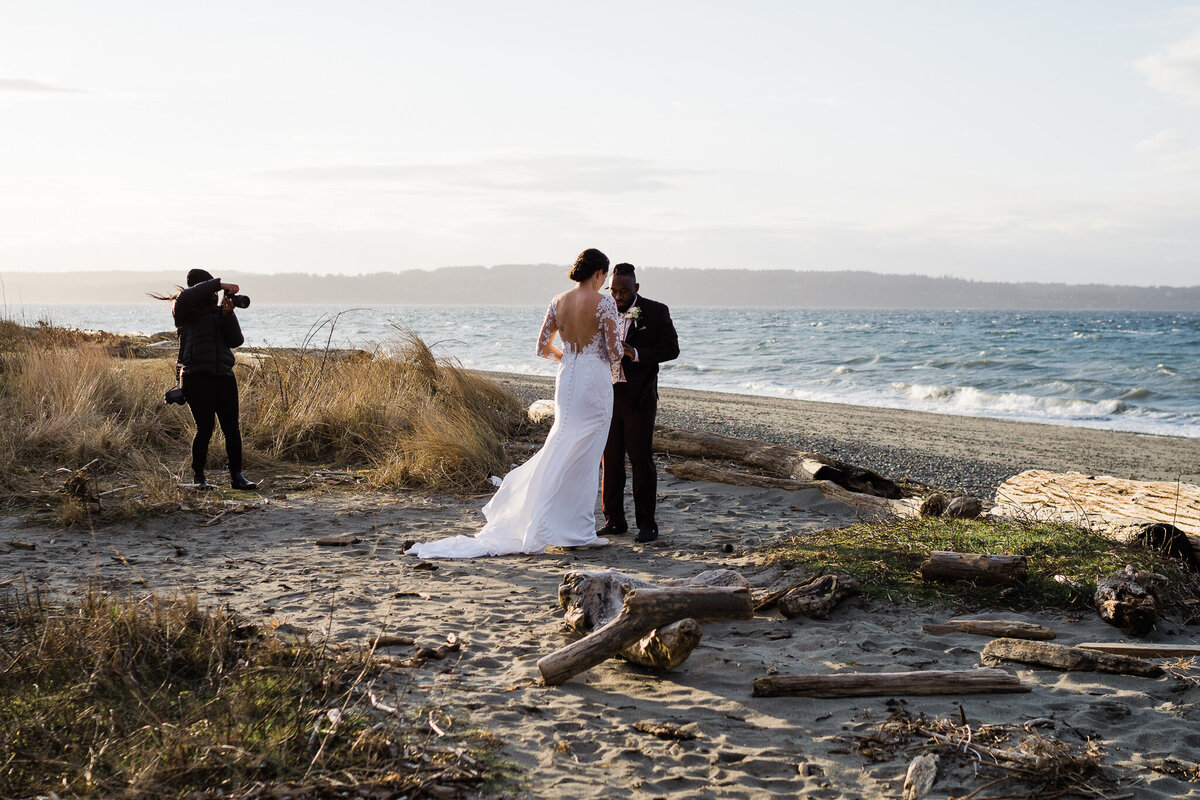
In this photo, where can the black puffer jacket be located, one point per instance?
(206, 336)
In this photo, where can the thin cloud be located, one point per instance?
(1160, 142)
(25, 85)
(1175, 69)
(558, 173)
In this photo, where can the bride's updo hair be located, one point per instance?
(590, 262)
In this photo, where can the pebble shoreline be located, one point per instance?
(972, 454)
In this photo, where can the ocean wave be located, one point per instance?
(975, 402)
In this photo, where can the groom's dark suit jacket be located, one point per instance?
(653, 336)
(635, 403)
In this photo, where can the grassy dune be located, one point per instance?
(70, 400)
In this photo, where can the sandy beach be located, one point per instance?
(579, 740)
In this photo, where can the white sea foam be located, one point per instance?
(969, 400)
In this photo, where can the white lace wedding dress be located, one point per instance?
(551, 498)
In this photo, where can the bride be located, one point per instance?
(551, 498)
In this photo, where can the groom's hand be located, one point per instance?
(630, 352)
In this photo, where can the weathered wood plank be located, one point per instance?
(859, 684)
(1058, 656)
(997, 628)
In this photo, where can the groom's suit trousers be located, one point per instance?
(631, 432)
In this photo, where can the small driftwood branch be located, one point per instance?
(980, 568)
(857, 684)
(1143, 650)
(1058, 656)
(643, 611)
(996, 628)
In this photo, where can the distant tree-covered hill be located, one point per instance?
(534, 284)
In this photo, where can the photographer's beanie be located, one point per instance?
(197, 276)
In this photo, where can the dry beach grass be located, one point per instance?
(70, 400)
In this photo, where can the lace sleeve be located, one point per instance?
(610, 328)
(549, 328)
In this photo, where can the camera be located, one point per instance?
(174, 395)
(238, 300)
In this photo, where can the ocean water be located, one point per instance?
(1132, 371)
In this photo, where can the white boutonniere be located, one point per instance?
(634, 313)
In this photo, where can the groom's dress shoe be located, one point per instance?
(613, 529)
(648, 535)
(239, 481)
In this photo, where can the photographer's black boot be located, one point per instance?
(200, 482)
(239, 481)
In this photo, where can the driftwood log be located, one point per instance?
(872, 684)
(592, 599)
(1059, 656)
(982, 569)
(714, 472)
(775, 460)
(642, 611)
(1143, 650)
(996, 628)
(1114, 506)
(816, 597)
(1127, 599)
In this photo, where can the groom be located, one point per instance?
(649, 339)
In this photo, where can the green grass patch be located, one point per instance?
(885, 557)
(152, 698)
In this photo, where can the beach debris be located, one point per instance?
(1072, 659)
(1118, 507)
(1026, 763)
(21, 544)
(664, 731)
(933, 506)
(643, 609)
(340, 540)
(1063, 580)
(815, 597)
(79, 485)
(1143, 650)
(451, 645)
(964, 507)
(919, 778)
(1127, 599)
(775, 460)
(707, 471)
(875, 684)
(998, 628)
(981, 568)
(592, 599)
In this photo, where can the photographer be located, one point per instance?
(208, 332)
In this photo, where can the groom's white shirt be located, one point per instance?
(626, 322)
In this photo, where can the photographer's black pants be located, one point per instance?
(209, 396)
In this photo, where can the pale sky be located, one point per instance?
(989, 139)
